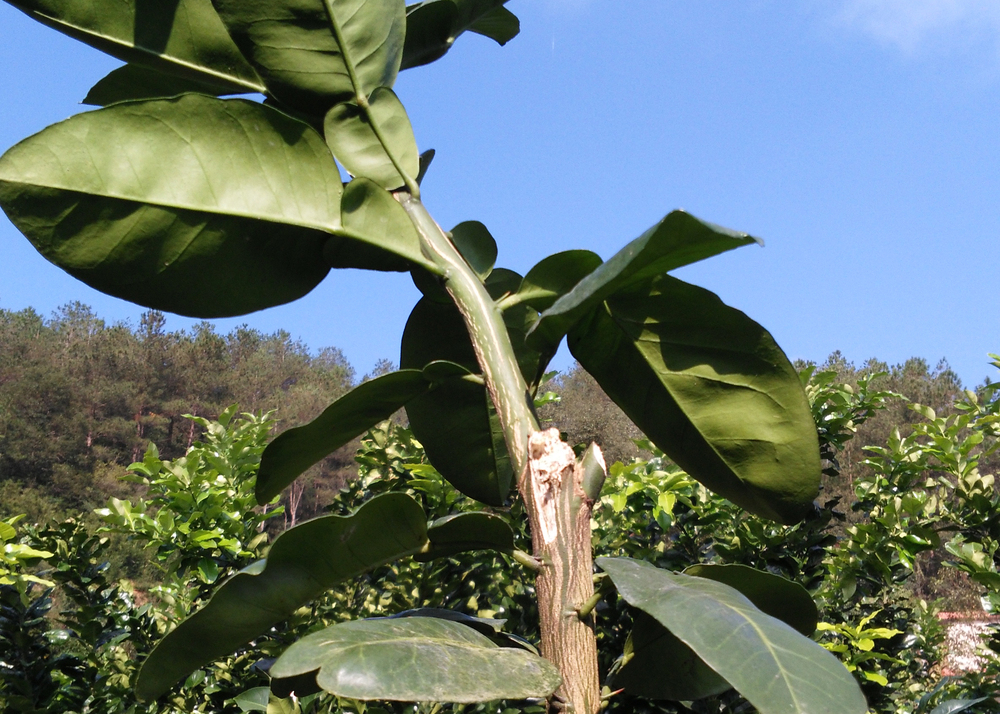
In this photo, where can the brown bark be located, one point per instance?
(560, 528)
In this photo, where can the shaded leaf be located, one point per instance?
(709, 386)
(773, 595)
(293, 48)
(463, 532)
(555, 276)
(663, 667)
(477, 246)
(677, 240)
(777, 669)
(179, 37)
(295, 450)
(303, 562)
(378, 235)
(417, 659)
(433, 26)
(154, 201)
(455, 421)
(133, 82)
(353, 140)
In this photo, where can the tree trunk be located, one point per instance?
(560, 531)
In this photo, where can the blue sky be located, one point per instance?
(858, 138)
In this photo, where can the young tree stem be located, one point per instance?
(550, 480)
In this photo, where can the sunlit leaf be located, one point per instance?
(354, 142)
(416, 659)
(777, 669)
(709, 386)
(292, 46)
(180, 37)
(555, 276)
(158, 201)
(677, 240)
(303, 562)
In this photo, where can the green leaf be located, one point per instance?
(677, 240)
(462, 532)
(156, 201)
(433, 26)
(663, 667)
(777, 669)
(555, 276)
(455, 422)
(773, 595)
(377, 235)
(477, 246)
(417, 659)
(292, 46)
(295, 450)
(355, 144)
(709, 386)
(253, 700)
(180, 37)
(953, 706)
(659, 657)
(303, 562)
(134, 81)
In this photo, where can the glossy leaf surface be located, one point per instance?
(303, 562)
(182, 37)
(295, 450)
(154, 201)
(679, 239)
(353, 141)
(378, 235)
(133, 82)
(709, 386)
(663, 667)
(416, 659)
(463, 532)
(555, 276)
(777, 669)
(773, 595)
(455, 421)
(433, 26)
(293, 48)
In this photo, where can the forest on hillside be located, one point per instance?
(81, 399)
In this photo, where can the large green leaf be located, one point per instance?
(660, 666)
(303, 562)
(773, 595)
(182, 37)
(433, 26)
(777, 669)
(709, 386)
(677, 240)
(663, 667)
(295, 450)
(423, 659)
(293, 47)
(378, 235)
(455, 421)
(462, 532)
(186, 204)
(555, 276)
(135, 81)
(352, 139)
